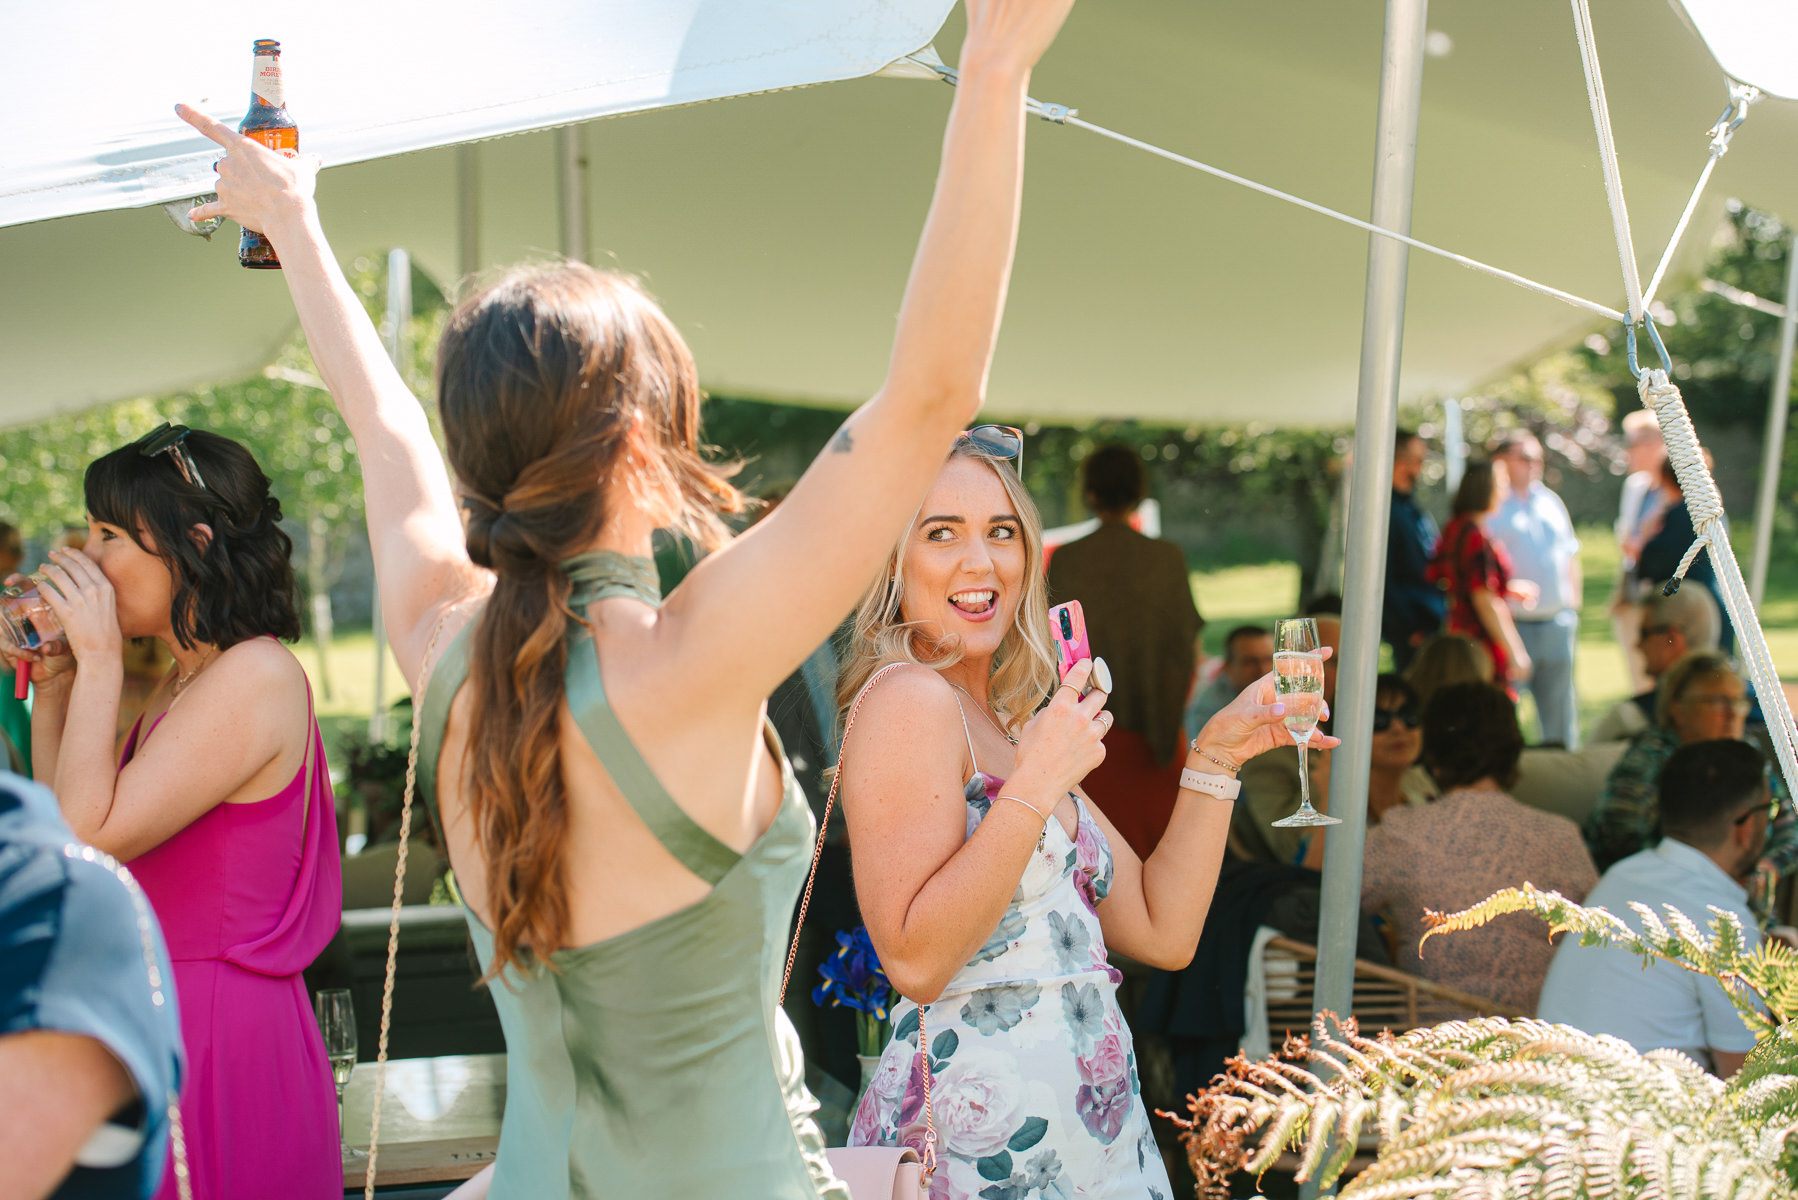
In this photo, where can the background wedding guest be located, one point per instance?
(1533, 526)
(90, 1043)
(1457, 850)
(1668, 629)
(1638, 512)
(1141, 618)
(221, 798)
(1475, 571)
(1701, 698)
(1448, 658)
(1270, 782)
(1248, 655)
(1667, 544)
(1413, 609)
(1713, 802)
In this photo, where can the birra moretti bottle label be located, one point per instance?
(265, 81)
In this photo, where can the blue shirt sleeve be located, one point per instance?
(73, 942)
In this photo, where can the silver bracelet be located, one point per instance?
(1042, 816)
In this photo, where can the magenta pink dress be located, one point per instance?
(248, 895)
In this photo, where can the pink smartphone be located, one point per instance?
(1067, 625)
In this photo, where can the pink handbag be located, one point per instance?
(872, 1172)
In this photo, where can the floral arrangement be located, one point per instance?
(852, 977)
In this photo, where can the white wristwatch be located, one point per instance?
(1221, 786)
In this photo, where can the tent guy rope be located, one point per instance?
(1741, 98)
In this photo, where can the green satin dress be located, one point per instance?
(655, 1065)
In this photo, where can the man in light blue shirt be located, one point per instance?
(1714, 812)
(1537, 535)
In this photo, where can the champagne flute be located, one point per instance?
(1299, 682)
(337, 1022)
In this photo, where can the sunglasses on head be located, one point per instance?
(997, 441)
(1384, 717)
(167, 439)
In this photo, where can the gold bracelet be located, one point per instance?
(1228, 766)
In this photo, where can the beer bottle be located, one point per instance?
(266, 122)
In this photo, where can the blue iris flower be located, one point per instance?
(852, 977)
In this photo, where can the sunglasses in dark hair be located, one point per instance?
(167, 439)
(1384, 717)
(997, 441)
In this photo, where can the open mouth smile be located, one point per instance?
(977, 604)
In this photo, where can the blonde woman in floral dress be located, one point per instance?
(992, 887)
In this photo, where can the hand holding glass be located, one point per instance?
(1299, 683)
(337, 1022)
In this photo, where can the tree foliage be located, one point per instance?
(1501, 1108)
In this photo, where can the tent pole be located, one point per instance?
(393, 330)
(1376, 423)
(468, 212)
(571, 178)
(1774, 449)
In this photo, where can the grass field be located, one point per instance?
(1227, 597)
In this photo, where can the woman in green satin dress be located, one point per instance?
(630, 850)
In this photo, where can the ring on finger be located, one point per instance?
(1107, 718)
(1070, 687)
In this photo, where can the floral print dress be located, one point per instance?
(1034, 1080)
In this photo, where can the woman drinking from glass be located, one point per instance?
(992, 886)
(627, 837)
(219, 798)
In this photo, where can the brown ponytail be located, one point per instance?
(549, 382)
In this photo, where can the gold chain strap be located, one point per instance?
(805, 903)
(393, 925)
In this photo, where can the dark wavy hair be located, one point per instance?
(1470, 733)
(232, 586)
(550, 381)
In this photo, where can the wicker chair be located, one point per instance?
(1383, 998)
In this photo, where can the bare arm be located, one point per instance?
(931, 895)
(1728, 1063)
(739, 615)
(55, 1090)
(413, 524)
(1495, 617)
(1156, 909)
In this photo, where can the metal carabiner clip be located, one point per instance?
(1654, 335)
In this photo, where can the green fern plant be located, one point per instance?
(1500, 1108)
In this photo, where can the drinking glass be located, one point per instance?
(1299, 681)
(337, 1022)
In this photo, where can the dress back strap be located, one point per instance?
(680, 835)
(692, 846)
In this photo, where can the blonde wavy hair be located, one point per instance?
(1023, 668)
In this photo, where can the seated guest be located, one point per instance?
(1671, 628)
(1248, 655)
(1476, 839)
(1395, 778)
(1701, 699)
(1444, 659)
(1714, 803)
(1142, 621)
(90, 1044)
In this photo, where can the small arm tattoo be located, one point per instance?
(842, 443)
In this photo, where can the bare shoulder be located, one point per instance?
(911, 704)
(259, 663)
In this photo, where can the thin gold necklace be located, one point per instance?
(982, 710)
(182, 681)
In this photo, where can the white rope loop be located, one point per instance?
(1661, 397)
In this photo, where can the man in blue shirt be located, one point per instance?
(1537, 534)
(90, 1043)
(1414, 607)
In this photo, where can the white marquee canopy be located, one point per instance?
(777, 228)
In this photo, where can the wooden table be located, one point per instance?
(439, 1119)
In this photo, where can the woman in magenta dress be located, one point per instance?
(220, 799)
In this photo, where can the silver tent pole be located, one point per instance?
(1774, 450)
(1376, 423)
(571, 188)
(393, 330)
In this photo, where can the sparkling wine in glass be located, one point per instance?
(1299, 681)
(337, 1022)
